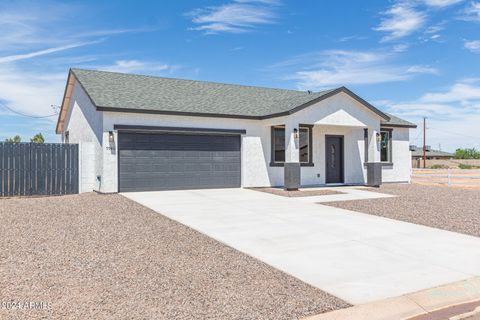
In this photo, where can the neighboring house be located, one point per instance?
(431, 154)
(141, 133)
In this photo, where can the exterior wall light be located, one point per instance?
(110, 136)
(295, 133)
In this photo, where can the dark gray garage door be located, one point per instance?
(170, 161)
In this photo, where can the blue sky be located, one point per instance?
(412, 58)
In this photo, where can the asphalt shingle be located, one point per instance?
(138, 92)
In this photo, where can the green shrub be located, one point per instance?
(438, 166)
(467, 154)
(467, 166)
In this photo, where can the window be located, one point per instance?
(278, 139)
(304, 145)
(386, 145)
(365, 142)
(278, 145)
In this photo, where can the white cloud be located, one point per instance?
(400, 48)
(452, 115)
(472, 12)
(422, 69)
(459, 92)
(236, 17)
(130, 66)
(436, 28)
(339, 67)
(16, 57)
(402, 19)
(31, 92)
(441, 3)
(473, 46)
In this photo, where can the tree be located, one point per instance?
(38, 138)
(467, 154)
(15, 139)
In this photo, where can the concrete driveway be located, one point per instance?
(356, 257)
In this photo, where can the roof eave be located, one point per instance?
(392, 125)
(65, 102)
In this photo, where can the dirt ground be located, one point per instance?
(96, 256)
(445, 208)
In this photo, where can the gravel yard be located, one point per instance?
(446, 208)
(96, 256)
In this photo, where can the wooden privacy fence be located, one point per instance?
(448, 177)
(38, 169)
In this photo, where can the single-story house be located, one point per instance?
(431, 154)
(140, 133)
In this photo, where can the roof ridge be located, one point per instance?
(203, 81)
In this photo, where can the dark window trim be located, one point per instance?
(384, 164)
(390, 145)
(365, 141)
(310, 146)
(272, 147)
(123, 127)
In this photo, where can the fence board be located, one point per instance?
(450, 177)
(38, 169)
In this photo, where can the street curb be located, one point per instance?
(410, 305)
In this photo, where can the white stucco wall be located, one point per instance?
(338, 115)
(256, 170)
(85, 127)
(400, 171)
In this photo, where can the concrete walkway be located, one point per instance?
(347, 194)
(354, 256)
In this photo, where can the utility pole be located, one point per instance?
(424, 143)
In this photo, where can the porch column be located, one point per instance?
(374, 166)
(373, 145)
(292, 170)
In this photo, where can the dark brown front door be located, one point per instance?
(334, 159)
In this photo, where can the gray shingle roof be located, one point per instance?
(111, 91)
(397, 122)
(138, 92)
(418, 152)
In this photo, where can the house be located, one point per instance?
(140, 133)
(432, 154)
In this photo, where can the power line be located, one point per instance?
(27, 115)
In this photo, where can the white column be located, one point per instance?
(292, 151)
(109, 182)
(373, 145)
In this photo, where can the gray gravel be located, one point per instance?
(96, 256)
(445, 208)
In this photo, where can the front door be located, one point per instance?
(334, 159)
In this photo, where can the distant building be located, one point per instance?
(432, 154)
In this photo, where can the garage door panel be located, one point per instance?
(149, 162)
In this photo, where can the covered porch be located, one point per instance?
(331, 150)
